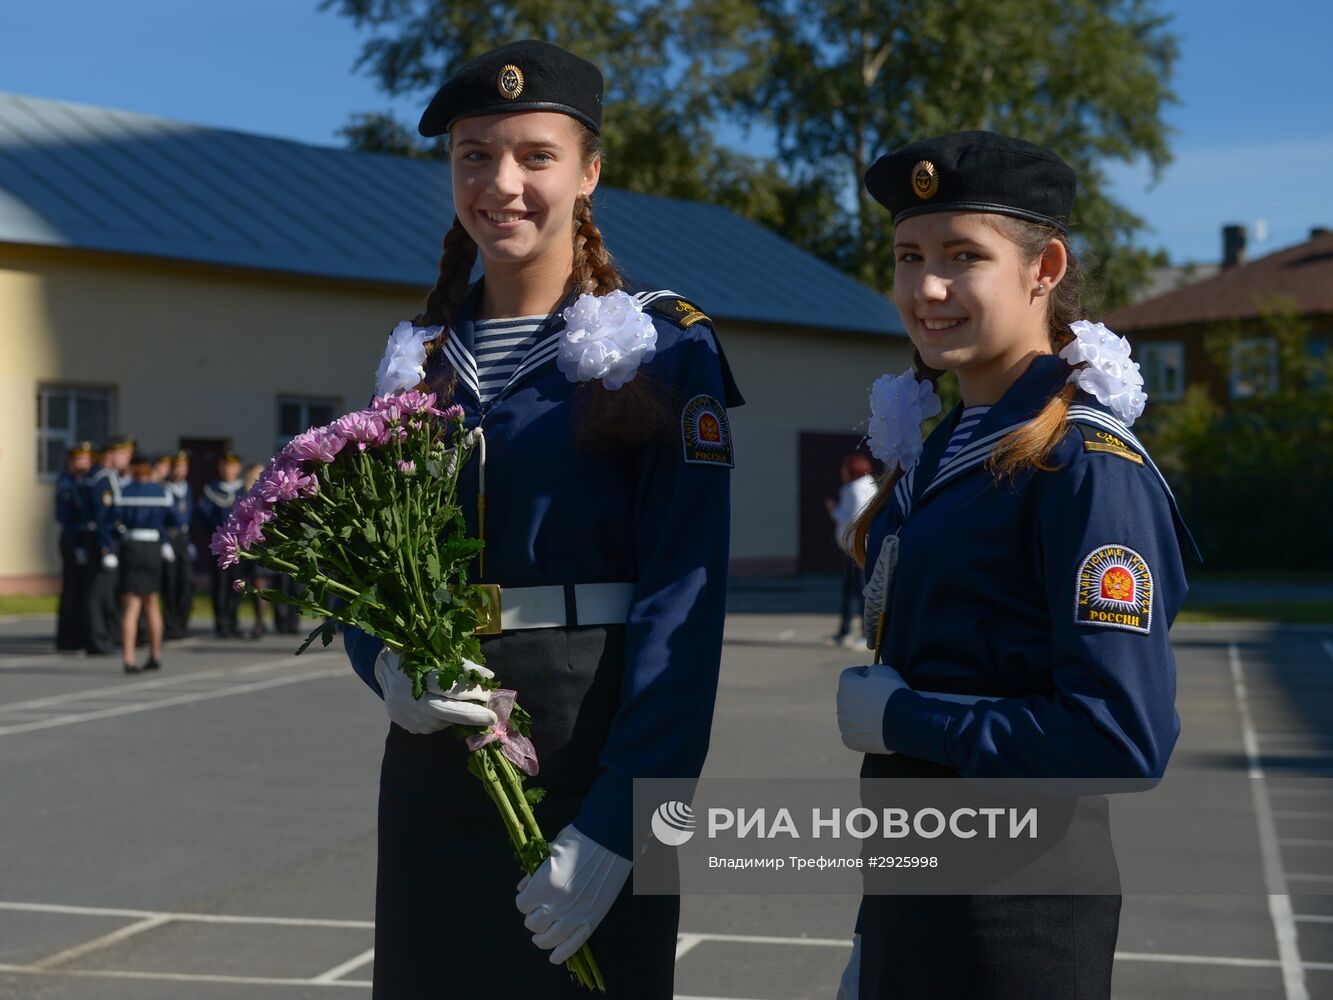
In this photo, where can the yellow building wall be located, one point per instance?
(200, 352)
(793, 381)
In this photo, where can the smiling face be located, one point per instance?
(516, 178)
(970, 302)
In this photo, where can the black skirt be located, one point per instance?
(993, 947)
(445, 920)
(140, 567)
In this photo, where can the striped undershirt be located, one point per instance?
(967, 424)
(499, 347)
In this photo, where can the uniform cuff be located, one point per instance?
(362, 650)
(918, 726)
(606, 814)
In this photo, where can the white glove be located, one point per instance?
(109, 561)
(168, 553)
(566, 898)
(81, 556)
(849, 987)
(862, 694)
(463, 704)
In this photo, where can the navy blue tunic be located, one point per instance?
(1054, 591)
(658, 518)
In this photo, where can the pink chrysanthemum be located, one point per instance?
(318, 444)
(226, 546)
(365, 427)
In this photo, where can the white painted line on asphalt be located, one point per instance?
(185, 699)
(1279, 902)
(198, 918)
(106, 940)
(179, 977)
(159, 682)
(1152, 956)
(351, 965)
(761, 939)
(685, 943)
(1312, 918)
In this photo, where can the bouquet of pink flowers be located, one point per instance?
(364, 511)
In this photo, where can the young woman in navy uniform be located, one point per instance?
(604, 504)
(146, 515)
(1039, 565)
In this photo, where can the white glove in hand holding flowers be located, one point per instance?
(168, 553)
(1110, 375)
(606, 337)
(898, 405)
(849, 987)
(566, 898)
(404, 363)
(863, 693)
(463, 704)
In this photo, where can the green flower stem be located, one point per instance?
(505, 789)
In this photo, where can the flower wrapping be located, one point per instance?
(898, 405)
(606, 337)
(1110, 375)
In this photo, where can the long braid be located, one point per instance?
(594, 271)
(859, 532)
(458, 255)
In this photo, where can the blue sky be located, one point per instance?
(1254, 126)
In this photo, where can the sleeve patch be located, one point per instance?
(1114, 590)
(706, 434)
(1096, 439)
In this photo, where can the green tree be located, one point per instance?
(1255, 477)
(842, 81)
(832, 83)
(657, 133)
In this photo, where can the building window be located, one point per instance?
(297, 414)
(66, 415)
(1253, 367)
(1163, 365)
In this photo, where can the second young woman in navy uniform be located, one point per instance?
(1038, 558)
(606, 514)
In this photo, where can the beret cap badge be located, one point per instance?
(925, 180)
(510, 82)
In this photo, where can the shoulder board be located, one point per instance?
(1120, 441)
(672, 307)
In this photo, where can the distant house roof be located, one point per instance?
(99, 179)
(1301, 274)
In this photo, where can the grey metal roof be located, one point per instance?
(99, 179)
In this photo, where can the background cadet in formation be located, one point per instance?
(73, 557)
(218, 498)
(145, 513)
(101, 491)
(178, 574)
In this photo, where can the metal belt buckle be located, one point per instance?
(490, 624)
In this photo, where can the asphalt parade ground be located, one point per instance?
(209, 832)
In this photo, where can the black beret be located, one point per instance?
(974, 172)
(520, 76)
